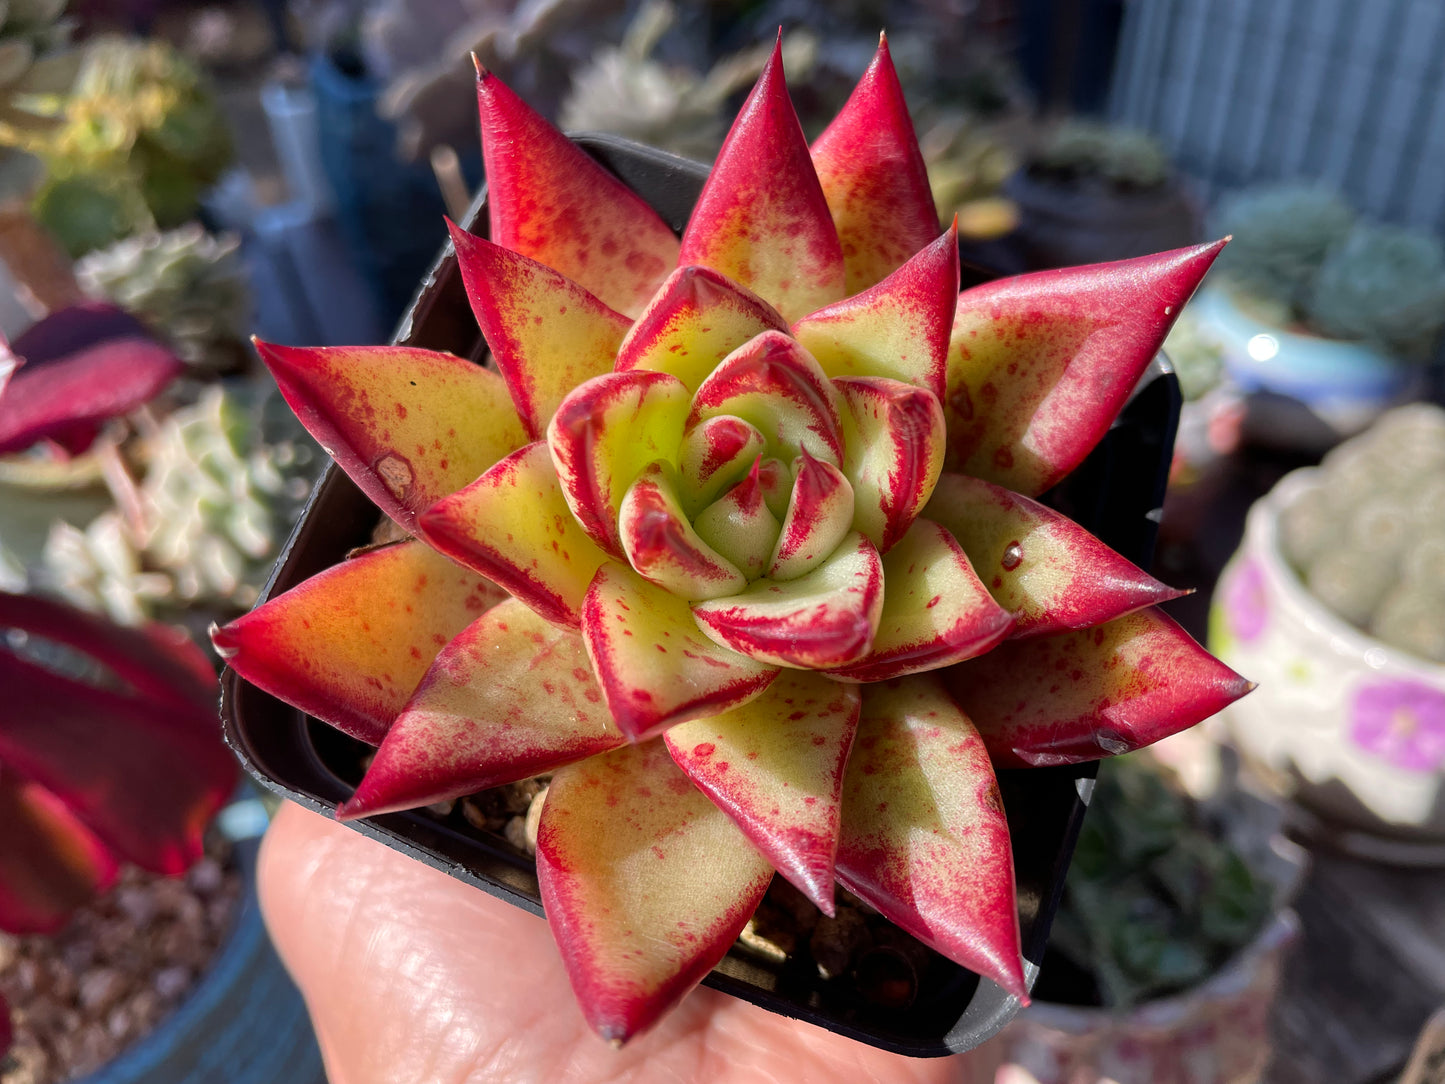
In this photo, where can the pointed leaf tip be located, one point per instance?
(775, 765)
(1040, 364)
(547, 333)
(762, 219)
(408, 426)
(350, 644)
(509, 698)
(924, 838)
(645, 883)
(874, 178)
(551, 201)
(1042, 567)
(1098, 692)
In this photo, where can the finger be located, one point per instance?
(413, 976)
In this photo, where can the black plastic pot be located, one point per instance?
(1117, 494)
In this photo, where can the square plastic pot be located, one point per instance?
(1116, 494)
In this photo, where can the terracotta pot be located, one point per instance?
(1116, 494)
(1352, 729)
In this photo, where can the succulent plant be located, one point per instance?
(1155, 901)
(108, 753)
(131, 145)
(624, 91)
(32, 60)
(763, 499)
(1079, 147)
(1368, 539)
(1385, 285)
(221, 490)
(1281, 236)
(186, 284)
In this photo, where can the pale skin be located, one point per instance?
(415, 978)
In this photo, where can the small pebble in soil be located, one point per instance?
(125, 961)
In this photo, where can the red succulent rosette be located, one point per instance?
(762, 499)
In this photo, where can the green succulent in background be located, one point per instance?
(130, 145)
(226, 479)
(1128, 157)
(188, 285)
(622, 90)
(31, 33)
(1282, 234)
(1155, 901)
(1368, 539)
(1384, 285)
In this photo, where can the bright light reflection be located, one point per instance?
(1262, 347)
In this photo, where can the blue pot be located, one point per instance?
(244, 1023)
(1345, 384)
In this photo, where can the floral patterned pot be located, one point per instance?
(1352, 729)
(1215, 1033)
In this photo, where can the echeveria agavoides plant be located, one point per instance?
(763, 502)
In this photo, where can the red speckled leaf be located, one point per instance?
(775, 765)
(602, 437)
(775, 385)
(551, 201)
(547, 333)
(696, 320)
(145, 774)
(740, 526)
(935, 610)
(1042, 567)
(874, 177)
(824, 619)
(663, 547)
(645, 882)
(514, 527)
(895, 439)
(350, 644)
(1039, 364)
(655, 667)
(715, 455)
(820, 515)
(408, 426)
(762, 218)
(511, 697)
(79, 367)
(899, 328)
(1077, 696)
(924, 838)
(50, 863)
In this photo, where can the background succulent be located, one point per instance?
(1079, 147)
(1281, 236)
(1155, 900)
(225, 479)
(762, 496)
(188, 285)
(1384, 285)
(1368, 539)
(131, 144)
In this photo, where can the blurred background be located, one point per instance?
(1260, 899)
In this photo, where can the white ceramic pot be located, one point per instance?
(1354, 729)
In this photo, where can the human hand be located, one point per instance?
(413, 977)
